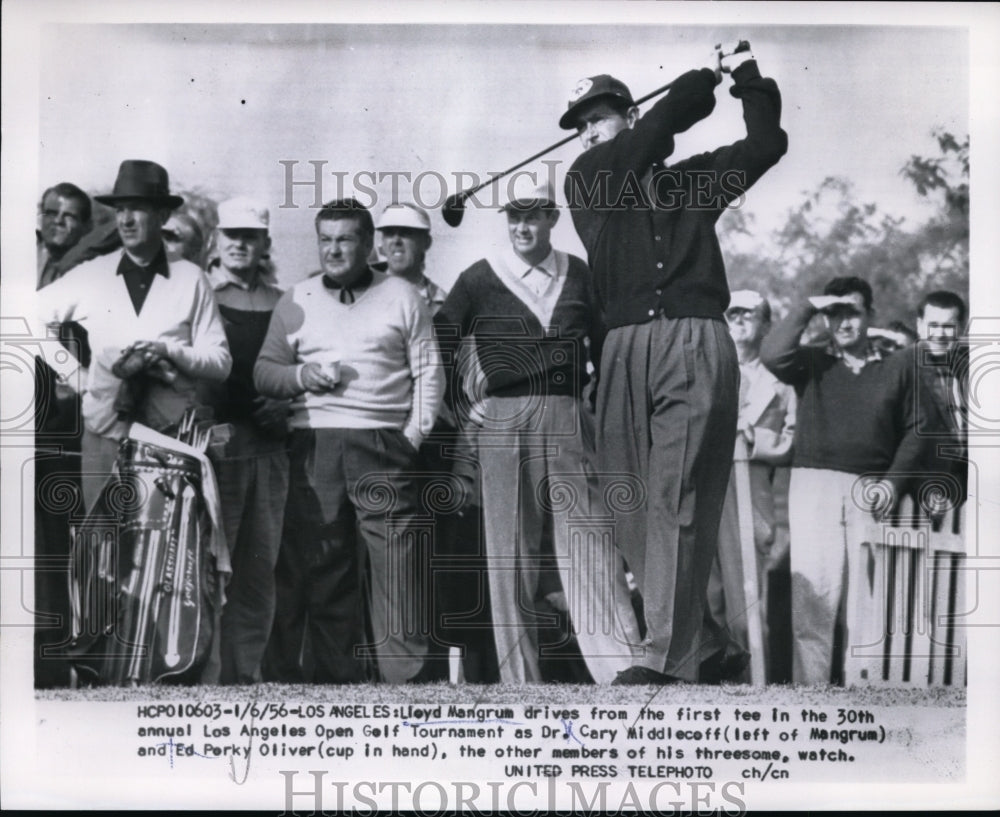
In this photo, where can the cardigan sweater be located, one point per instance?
(872, 422)
(649, 230)
(517, 355)
(179, 310)
(390, 372)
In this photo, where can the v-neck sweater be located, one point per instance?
(518, 355)
(390, 372)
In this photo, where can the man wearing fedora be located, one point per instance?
(253, 473)
(144, 314)
(530, 310)
(354, 350)
(668, 390)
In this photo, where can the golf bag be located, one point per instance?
(145, 573)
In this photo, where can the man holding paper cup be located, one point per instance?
(354, 350)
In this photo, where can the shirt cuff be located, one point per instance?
(414, 436)
(298, 376)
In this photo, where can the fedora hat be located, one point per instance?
(141, 179)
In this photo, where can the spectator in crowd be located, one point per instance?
(404, 237)
(531, 312)
(944, 361)
(176, 334)
(765, 430)
(64, 218)
(354, 350)
(404, 233)
(253, 474)
(184, 238)
(860, 437)
(668, 391)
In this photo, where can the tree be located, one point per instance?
(830, 233)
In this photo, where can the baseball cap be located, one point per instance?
(523, 193)
(589, 89)
(243, 213)
(404, 214)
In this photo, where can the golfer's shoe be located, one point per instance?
(644, 676)
(733, 664)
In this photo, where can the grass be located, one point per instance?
(534, 694)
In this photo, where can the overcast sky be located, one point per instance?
(220, 106)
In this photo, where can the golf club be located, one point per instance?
(454, 206)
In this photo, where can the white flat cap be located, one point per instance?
(745, 299)
(524, 191)
(404, 214)
(243, 213)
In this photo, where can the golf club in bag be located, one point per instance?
(147, 566)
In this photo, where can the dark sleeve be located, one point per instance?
(731, 170)
(781, 351)
(612, 171)
(690, 99)
(919, 419)
(450, 326)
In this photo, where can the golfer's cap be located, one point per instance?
(589, 89)
(404, 214)
(745, 299)
(523, 192)
(243, 213)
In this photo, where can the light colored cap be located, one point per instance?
(745, 299)
(523, 192)
(243, 213)
(404, 214)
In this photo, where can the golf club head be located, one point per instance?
(454, 209)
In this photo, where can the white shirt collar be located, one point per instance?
(521, 267)
(219, 277)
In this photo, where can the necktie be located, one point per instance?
(349, 294)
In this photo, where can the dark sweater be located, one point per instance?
(865, 423)
(667, 260)
(516, 353)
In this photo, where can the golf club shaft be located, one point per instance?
(552, 147)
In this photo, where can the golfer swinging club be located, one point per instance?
(669, 381)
